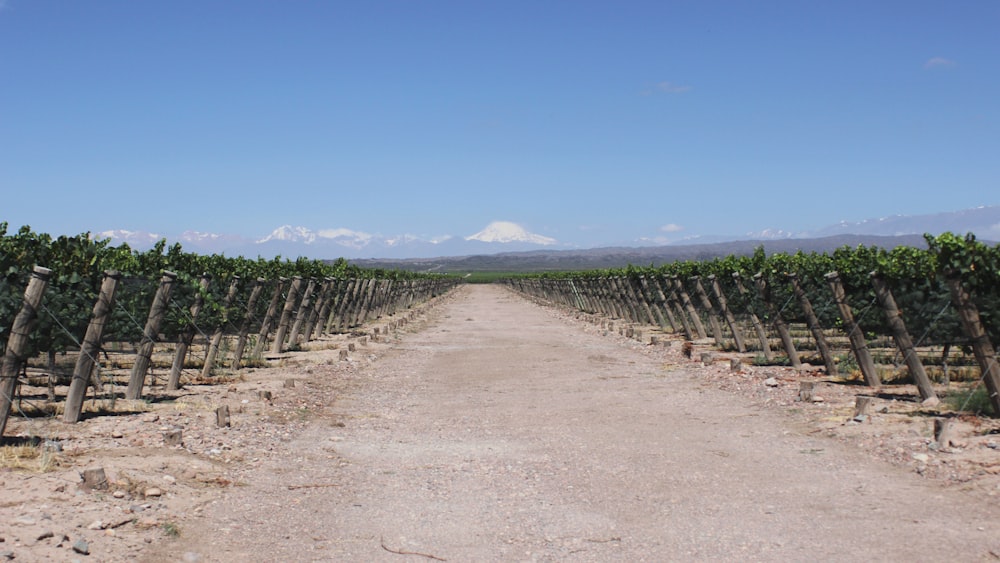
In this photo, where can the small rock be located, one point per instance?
(170, 479)
(45, 535)
(118, 494)
(151, 418)
(771, 382)
(923, 458)
(25, 521)
(153, 492)
(95, 525)
(8, 555)
(81, 546)
(818, 399)
(117, 434)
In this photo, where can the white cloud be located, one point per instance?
(671, 228)
(671, 88)
(938, 62)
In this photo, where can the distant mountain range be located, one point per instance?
(504, 238)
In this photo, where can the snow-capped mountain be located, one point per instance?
(505, 236)
(505, 232)
(288, 233)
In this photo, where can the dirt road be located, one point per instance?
(502, 431)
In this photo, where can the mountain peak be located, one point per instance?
(505, 231)
(289, 233)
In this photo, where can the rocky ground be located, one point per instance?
(155, 496)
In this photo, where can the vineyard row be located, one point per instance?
(863, 298)
(78, 306)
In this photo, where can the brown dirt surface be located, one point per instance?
(491, 428)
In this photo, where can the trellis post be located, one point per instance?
(149, 335)
(813, 322)
(854, 333)
(779, 323)
(903, 340)
(91, 347)
(187, 336)
(17, 343)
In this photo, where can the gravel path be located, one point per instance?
(503, 431)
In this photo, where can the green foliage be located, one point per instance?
(78, 264)
(916, 277)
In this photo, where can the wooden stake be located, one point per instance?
(18, 347)
(301, 313)
(268, 322)
(779, 323)
(854, 333)
(241, 340)
(765, 344)
(149, 335)
(862, 407)
(91, 347)
(813, 321)
(213, 347)
(222, 417)
(903, 340)
(982, 348)
(174, 381)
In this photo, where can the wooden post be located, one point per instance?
(982, 348)
(149, 335)
(174, 381)
(903, 340)
(807, 391)
(710, 311)
(862, 407)
(16, 352)
(689, 307)
(765, 344)
(222, 417)
(673, 301)
(213, 347)
(944, 433)
(285, 321)
(91, 347)
(779, 323)
(338, 316)
(301, 313)
(323, 322)
(857, 338)
(308, 331)
(720, 298)
(659, 304)
(814, 326)
(241, 340)
(268, 323)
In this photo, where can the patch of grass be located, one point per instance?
(975, 400)
(171, 529)
(29, 458)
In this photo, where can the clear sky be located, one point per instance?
(591, 122)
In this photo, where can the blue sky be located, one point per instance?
(590, 122)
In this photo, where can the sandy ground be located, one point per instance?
(491, 428)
